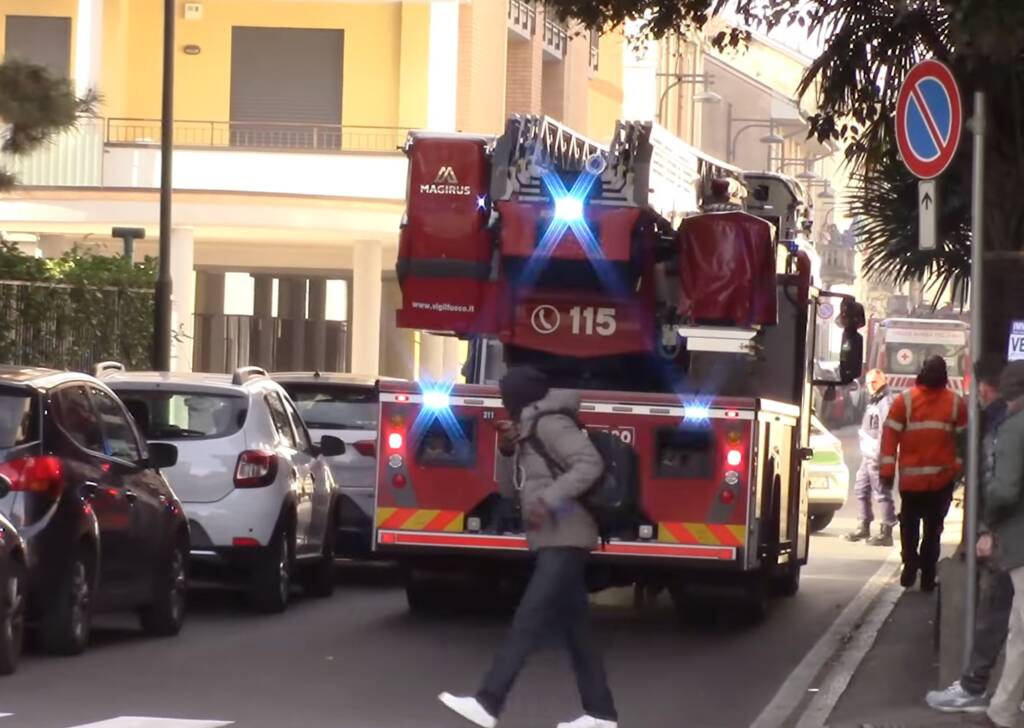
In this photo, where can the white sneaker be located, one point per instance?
(470, 709)
(955, 699)
(588, 721)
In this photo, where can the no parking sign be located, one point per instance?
(929, 119)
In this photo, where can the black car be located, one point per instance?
(104, 529)
(12, 590)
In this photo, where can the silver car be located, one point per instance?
(345, 406)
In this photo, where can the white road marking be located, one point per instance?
(794, 691)
(139, 722)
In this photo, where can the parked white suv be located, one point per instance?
(259, 495)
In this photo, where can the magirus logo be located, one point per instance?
(445, 183)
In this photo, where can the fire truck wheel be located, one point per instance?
(753, 606)
(787, 582)
(425, 596)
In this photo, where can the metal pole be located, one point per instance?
(164, 284)
(974, 428)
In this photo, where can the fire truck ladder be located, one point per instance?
(533, 146)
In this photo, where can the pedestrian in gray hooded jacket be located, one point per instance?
(562, 533)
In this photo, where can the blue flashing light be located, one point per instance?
(697, 412)
(568, 209)
(436, 399)
(481, 202)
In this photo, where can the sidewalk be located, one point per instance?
(888, 687)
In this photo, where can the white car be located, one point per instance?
(259, 496)
(828, 477)
(346, 406)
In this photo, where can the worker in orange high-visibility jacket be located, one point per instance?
(919, 445)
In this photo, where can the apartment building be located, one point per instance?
(288, 178)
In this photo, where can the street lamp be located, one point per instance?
(164, 284)
(772, 138)
(704, 96)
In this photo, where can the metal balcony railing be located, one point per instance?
(556, 38)
(259, 135)
(522, 17)
(73, 158)
(838, 264)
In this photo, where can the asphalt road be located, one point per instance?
(360, 660)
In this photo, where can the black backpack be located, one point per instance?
(613, 499)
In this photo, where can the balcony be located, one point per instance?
(522, 20)
(838, 264)
(556, 39)
(270, 158)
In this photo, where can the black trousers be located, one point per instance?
(556, 597)
(990, 628)
(930, 507)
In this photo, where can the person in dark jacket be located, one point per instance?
(561, 533)
(967, 695)
(1004, 514)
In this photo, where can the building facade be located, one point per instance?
(289, 181)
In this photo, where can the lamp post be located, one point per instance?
(164, 284)
(705, 96)
(771, 138)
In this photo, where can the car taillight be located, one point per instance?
(734, 458)
(42, 474)
(255, 469)
(366, 448)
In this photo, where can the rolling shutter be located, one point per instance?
(45, 41)
(286, 87)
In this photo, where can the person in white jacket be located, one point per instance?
(868, 485)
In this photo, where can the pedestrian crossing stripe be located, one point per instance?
(131, 721)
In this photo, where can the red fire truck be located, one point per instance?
(694, 344)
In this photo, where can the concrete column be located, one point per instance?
(318, 329)
(431, 357)
(639, 78)
(263, 312)
(398, 352)
(452, 359)
(88, 46)
(443, 65)
(210, 303)
(183, 298)
(291, 306)
(364, 317)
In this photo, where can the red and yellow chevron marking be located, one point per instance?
(420, 519)
(703, 534)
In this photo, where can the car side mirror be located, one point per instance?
(162, 455)
(331, 446)
(851, 356)
(5, 486)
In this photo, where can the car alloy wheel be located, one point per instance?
(284, 568)
(179, 585)
(80, 600)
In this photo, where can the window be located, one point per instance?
(118, 433)
(19, 419)
(301, 434)
(282, 423)
(335, 408)
(45, 41)
(449, 446)
(168, 415)
(75, 416)
(684, 452)
(909, 358)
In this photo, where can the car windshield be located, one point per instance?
(325, 407)
(19, 420)
(168, 415)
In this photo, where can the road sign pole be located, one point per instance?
(927, 214)
(974, 425)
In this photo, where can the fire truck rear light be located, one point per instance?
(473, 524)
(734, 458)
(244, 542)
(395, 440)
(401, 397)
(396, 461)
(646, 531)
(732, 414)
(734, 436)
(398, 480)
(732, 477)
(397, 420)
(727, 496)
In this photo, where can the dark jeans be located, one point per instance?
(990, 628)
(556, 597)
(930, 507)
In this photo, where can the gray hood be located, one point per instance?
(557, 400)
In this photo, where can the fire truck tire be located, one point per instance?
(425, 596)
(753, 607)
(787, 582)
